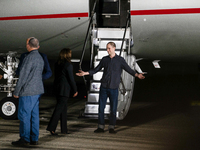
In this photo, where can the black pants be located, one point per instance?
(60, 113)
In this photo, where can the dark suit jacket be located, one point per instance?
(64, 79)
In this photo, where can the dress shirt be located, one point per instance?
(112, 71)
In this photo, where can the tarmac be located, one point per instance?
(155, 121)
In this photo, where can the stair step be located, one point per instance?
(93, 109)
(103, 44)
(112, 33)
(94, 98)
(95, 86)
(101, 54)
(98, 75)
(96, 62)
(104, 49)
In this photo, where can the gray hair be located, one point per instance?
(33, 42)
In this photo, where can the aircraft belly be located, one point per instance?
(163, 4)
(54, 34)
(57, 24)
(38, 7)
(171, 37)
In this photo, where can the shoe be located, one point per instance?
(112, 131)
(53, 133)
(20, 142)
(34, 143)
(99, 130)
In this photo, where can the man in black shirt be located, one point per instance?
(113, 65)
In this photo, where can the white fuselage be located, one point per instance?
(169, 30)
(161, 29)
(57, 24)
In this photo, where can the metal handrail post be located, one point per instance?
(85, 42)
(127, 23)
(86, 38)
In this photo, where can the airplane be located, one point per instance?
(156, 30)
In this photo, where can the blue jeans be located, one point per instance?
(28, 114)
(112, 94)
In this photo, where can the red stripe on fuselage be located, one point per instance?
(133, 13)
(49, 16)
(165, 11)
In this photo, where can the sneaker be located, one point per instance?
(20, 142)
(112, 131)
(99, 130)
(34, 143)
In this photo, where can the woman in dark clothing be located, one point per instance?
(63, 83)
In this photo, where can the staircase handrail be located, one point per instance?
(127, 24)
(123, 91)
(85, 42)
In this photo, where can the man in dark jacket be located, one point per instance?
(28, 89)
(113, 66)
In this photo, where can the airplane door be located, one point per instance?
(112, 13)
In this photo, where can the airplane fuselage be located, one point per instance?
(164, 30)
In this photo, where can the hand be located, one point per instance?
(82, 73)
(140, 76)
(75, 94)
(15, 96)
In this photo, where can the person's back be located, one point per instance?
(29, 89)
(63, 83)
(47, 73)
(30, 76)
(64, 80)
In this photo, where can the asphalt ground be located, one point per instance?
(164, 115)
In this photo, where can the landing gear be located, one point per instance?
(8, 108)
(9, 105)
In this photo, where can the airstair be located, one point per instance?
(121, 35)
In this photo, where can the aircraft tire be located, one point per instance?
(9, 108)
